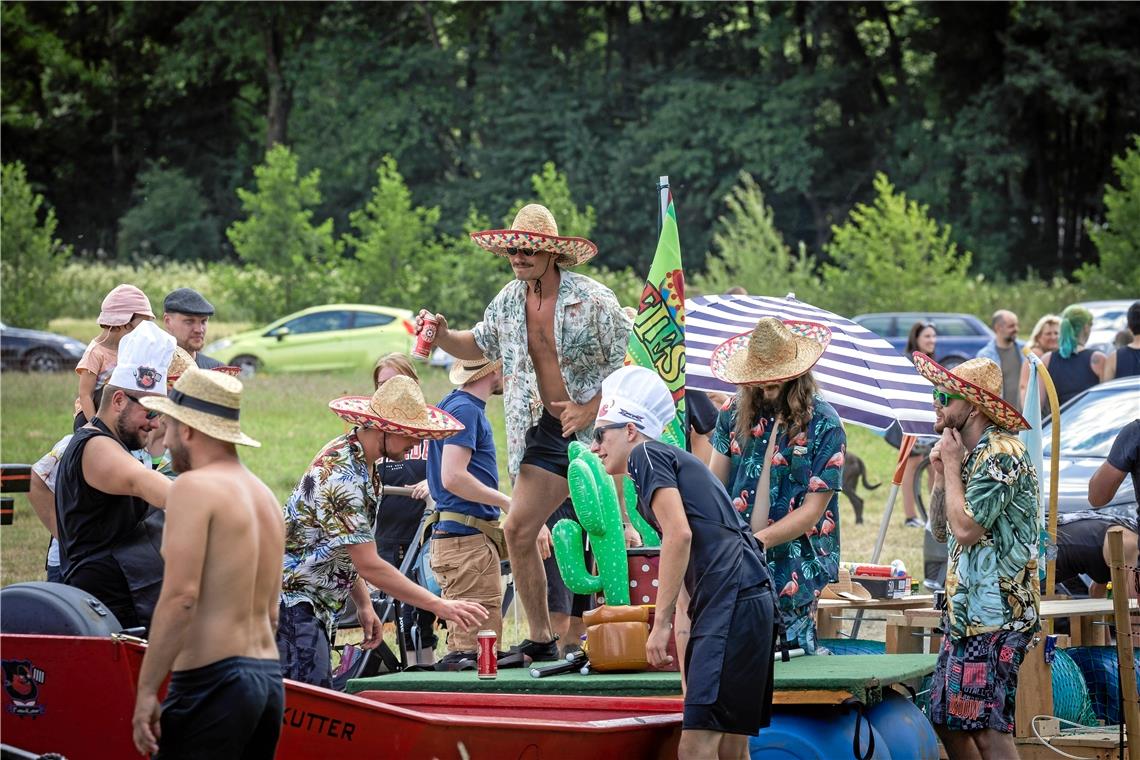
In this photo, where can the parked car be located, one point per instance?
(38, 350)
(1090, 423)
(960, 336)
(331, 337)
(1109, 318)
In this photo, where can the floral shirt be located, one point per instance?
(590, 334)
(808, 463)
(333, 507)
(992, 585)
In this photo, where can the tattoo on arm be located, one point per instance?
(938, 514)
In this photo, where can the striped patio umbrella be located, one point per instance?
(867, 381)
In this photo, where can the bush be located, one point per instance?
(31, 256)
(170, 219)
(1118, 239)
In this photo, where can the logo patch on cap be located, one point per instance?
(147, 377)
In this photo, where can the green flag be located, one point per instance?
(658, 337)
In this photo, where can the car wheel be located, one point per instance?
(950, 362)
(43, 360)
(248, 365)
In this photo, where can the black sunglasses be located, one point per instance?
(528, 252)
(150, 413)
(601, 431)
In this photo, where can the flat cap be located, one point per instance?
(187, 301)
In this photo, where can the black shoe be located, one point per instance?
(453, 661)
(538, 651)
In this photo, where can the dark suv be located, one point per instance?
(960, 336)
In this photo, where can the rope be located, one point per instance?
(1084, 729)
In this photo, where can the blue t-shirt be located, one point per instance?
(479, 438)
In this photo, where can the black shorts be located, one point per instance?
(735, 670)
(1080, 549)
(559, 598)
(545, 446)
(229, 708)
(103, 578)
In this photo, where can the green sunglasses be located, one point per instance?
(943, 398)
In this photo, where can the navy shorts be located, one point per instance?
(229, 708)
(734, 673)
(545, 446)
(303, 645)
(558, 597)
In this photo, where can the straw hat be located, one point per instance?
(206, 401)
(397, 407)
(980, 381)
(468, 371)
(534, 228)
(183, 361)
(773, 352)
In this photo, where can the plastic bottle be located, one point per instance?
(898, 569)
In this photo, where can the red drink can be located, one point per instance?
(488, 657)
(425, 338)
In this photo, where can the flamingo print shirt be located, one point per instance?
(810, 462)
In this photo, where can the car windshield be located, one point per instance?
(1106, 320)
(1089, 426)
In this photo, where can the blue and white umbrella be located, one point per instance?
(867, 381)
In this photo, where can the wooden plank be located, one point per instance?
(1130, 704)
(1034, 690)
(929, 617)
(900, 637)
(811, 697)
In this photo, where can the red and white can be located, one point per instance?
(425, 337)
(488, 656)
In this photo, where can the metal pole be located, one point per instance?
(663, 196)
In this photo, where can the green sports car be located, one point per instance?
(331, 337)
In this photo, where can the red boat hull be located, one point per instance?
(75, 696)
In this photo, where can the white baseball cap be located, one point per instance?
(144, 358)
(638, 395)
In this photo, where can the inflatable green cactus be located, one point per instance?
(595, 501)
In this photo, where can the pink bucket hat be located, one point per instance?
(121, 304)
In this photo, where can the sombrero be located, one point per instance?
(980, 381)
(183, 361)
(534, 228)
(774, 351)
(397, 407)
(206, 401)
(464, 371)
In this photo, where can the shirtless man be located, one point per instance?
(559, 335)
(215, 620)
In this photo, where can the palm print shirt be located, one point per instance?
(590, 335)
(809, 463)
(332, 508)
(992, 585)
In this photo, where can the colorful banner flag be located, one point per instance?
(658, 337)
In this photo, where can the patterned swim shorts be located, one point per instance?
(975, 681)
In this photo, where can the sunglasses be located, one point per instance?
(150, 413)
(943, 398)
(521, 252)
(601, 431)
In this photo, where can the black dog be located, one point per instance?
(853, 471)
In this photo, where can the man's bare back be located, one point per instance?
(243, 529)
(544, 353)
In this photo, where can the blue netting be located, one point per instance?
(1070, 694)
(854, 646)
(1099, 668)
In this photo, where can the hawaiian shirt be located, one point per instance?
(333, 507)
(808, 463)
(590, 334)
(992, 585)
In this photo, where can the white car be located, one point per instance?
(1109, 318)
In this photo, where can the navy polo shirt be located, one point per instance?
(479, 438)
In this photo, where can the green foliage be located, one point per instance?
(171, 219)
(278, 234)
(1118, 239)
(752, 253)
(32, 256)
(887, 253)
(552, 190)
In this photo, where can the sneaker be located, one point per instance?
(457, 658)
(914, 522)
(538, 651)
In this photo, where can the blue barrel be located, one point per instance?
(1102, 676)
(816, 732)
(854, 646)
(904, 727)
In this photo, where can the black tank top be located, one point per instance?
(89, 521)
(1127, 361)
(1072, 375)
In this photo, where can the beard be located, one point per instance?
(179, 458)
(132, 439)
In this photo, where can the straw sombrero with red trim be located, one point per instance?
(397, 407)
(774, 351)
(980, 381)
(534, 229)
(183, 361)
